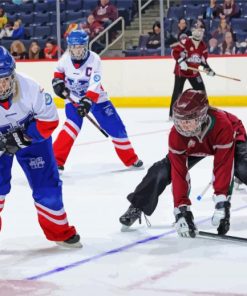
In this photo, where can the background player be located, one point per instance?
(78, 75)
(27, 120)
(189, 52)
(198, 130)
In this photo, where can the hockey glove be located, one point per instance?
(59, 88)
(221, 216)
(14, 141)
(209, 71)
(182, 64)
(84, 107)
(185, 222)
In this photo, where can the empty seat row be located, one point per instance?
(66, 5)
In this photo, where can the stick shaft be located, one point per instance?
(223, 237)
(90, 118)
(223, 76)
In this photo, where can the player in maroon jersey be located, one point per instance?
(199, 130)
(190, 52)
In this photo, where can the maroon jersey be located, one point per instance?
(194, 56)
(218, 139)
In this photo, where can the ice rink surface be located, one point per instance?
(145, 261)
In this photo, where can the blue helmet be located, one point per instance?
(78, 37)
(7, 74)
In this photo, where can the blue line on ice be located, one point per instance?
(113, 251)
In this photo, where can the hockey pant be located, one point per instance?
(146, 194)
(39, 165)
(196, 83)
(108, 118)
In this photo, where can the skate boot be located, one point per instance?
(185, 222)
(137, 164)
(130, 216)
(60, 169)
(72, 242)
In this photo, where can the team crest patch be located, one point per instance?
(48, 99)
(96, 78)
(191, 143)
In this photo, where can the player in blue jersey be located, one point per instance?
(28, 117)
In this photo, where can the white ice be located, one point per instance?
(112, 262)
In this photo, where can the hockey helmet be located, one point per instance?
(77, 42)
(7, 74)
(197, 31)
(190, 112)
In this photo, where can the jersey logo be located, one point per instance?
(37, 163)
(96, 78)
(195, 58)
(78, 87)
(48, 99)
(191, 143)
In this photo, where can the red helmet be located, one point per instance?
(191, 105)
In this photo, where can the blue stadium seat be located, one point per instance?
(89, 4)
(26, 7)
(6, 43)
(167, 24)
(133, 52)
(127, 4)
(244, 10)
(193, 11)
(29, 32)
(74, 5)
(53, 16)
(214, 25)
(41, 18)
(125, 14)
(175, 12)
(11, 8)
(42, 32)
(241, 36)
(74, 15)
(239, 24)
(41, 7)
(27, 19)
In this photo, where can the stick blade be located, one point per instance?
(222, 237)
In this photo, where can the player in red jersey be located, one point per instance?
(199, 130)
(190, 52)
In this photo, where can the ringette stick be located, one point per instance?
(223, 76)
(89, 118)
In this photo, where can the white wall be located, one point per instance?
(150, 77)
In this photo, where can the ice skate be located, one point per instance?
(72, 242)
(138, 164)
(129, 217)
(60, 169)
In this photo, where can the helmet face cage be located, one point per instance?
(7, 86)
(197, 33)
(78, 44)
(78, 52)
(7, 74)
(190, 112)
(190, 126)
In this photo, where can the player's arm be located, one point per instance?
(179, 172)
(58, 82)
(93, 91)
(205, 64)
(45, 118)
(180, 55)
(223, 160)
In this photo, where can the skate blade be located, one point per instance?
(126, 228)
(77, 245)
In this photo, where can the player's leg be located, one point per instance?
(197, 83)
(39, 165)
(5, 177)
(108, 118)
(67, 135)
(177, 90)
(146, 195)
(240, 161)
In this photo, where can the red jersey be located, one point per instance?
(217, 139)
(194, 56)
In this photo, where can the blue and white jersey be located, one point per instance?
(84, 80)
(31, 109)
